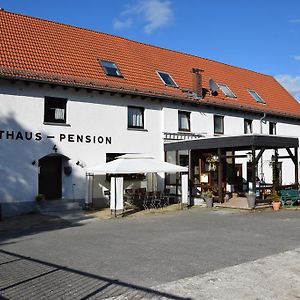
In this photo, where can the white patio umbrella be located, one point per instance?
(135, 163)
(129, 164)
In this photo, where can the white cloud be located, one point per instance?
(291, 83)
(295, 21)
(296, 57)
(154, 14)
(119, 24)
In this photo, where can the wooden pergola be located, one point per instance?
(224, 147)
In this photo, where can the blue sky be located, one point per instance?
(260, 35)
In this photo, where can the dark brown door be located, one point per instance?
(50, 177)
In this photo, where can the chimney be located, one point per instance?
(197, 82)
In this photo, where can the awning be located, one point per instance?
(135, 163)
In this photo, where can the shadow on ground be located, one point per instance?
(24, 277)
(30, 224)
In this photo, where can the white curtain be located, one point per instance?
(135, 117)
(59, 114)
(184, 122)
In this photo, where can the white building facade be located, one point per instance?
(99, 96)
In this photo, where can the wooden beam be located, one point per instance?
(220, 173)
(253, 168)
(296, 167)
(261, 152)
(234, 156)
(295, 161)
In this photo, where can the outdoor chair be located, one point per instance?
(148, 200)
(158, 200)
(165, 197)
(289, 197)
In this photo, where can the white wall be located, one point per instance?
(202, 122)
(22, 110)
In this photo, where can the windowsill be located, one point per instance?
(136, 129)
(57, 124)
(185, 131)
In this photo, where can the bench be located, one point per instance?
(289, 197)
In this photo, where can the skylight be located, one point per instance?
(256, 97)
(226, 91)
(110, 68)
(166, 79)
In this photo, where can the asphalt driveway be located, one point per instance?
(107, 257)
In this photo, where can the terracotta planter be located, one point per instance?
(276, 205)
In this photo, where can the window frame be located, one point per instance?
(260, 99)
(188, 114)
(222, 118)
(227, 87)
(273, 126)
(175, 85)
(245, 126)
(130, 126)
(48, 119)
(105, 70)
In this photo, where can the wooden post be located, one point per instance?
(253, 170)
(296, 167)
(220, 173)
(191, 178)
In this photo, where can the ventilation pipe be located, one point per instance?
(197, 82)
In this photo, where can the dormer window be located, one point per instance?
(226, 90)
(110, 68)
(256, 97)
(166, 79)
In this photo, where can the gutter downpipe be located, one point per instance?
(262, 120)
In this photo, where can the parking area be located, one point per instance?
(107, 258)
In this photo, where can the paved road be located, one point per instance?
(107, 258)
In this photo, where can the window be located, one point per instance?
(184, 121)
(135, 117)
(226, 91)
(55, 110)
(110, 68)
(218, 124)
(272, 128)
(247, 126)
(256, 97)
(166, 79)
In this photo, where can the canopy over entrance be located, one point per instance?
(224, 148)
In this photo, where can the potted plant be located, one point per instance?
(251, 198)
(208, 197)
(39, 198)
(275, 200)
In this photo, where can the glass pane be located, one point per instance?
(135, 117)
(226, 91)
(167, 79)
(184, 121)
(218, 124)
(110, 68)
(256, 97)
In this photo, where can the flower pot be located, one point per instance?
(251, 200)
(276, 205)
(209, 202)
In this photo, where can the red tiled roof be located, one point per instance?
(41, 50)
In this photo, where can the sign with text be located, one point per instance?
(62, 137)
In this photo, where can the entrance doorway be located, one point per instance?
(50, 176)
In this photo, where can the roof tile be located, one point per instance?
(42, 50)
